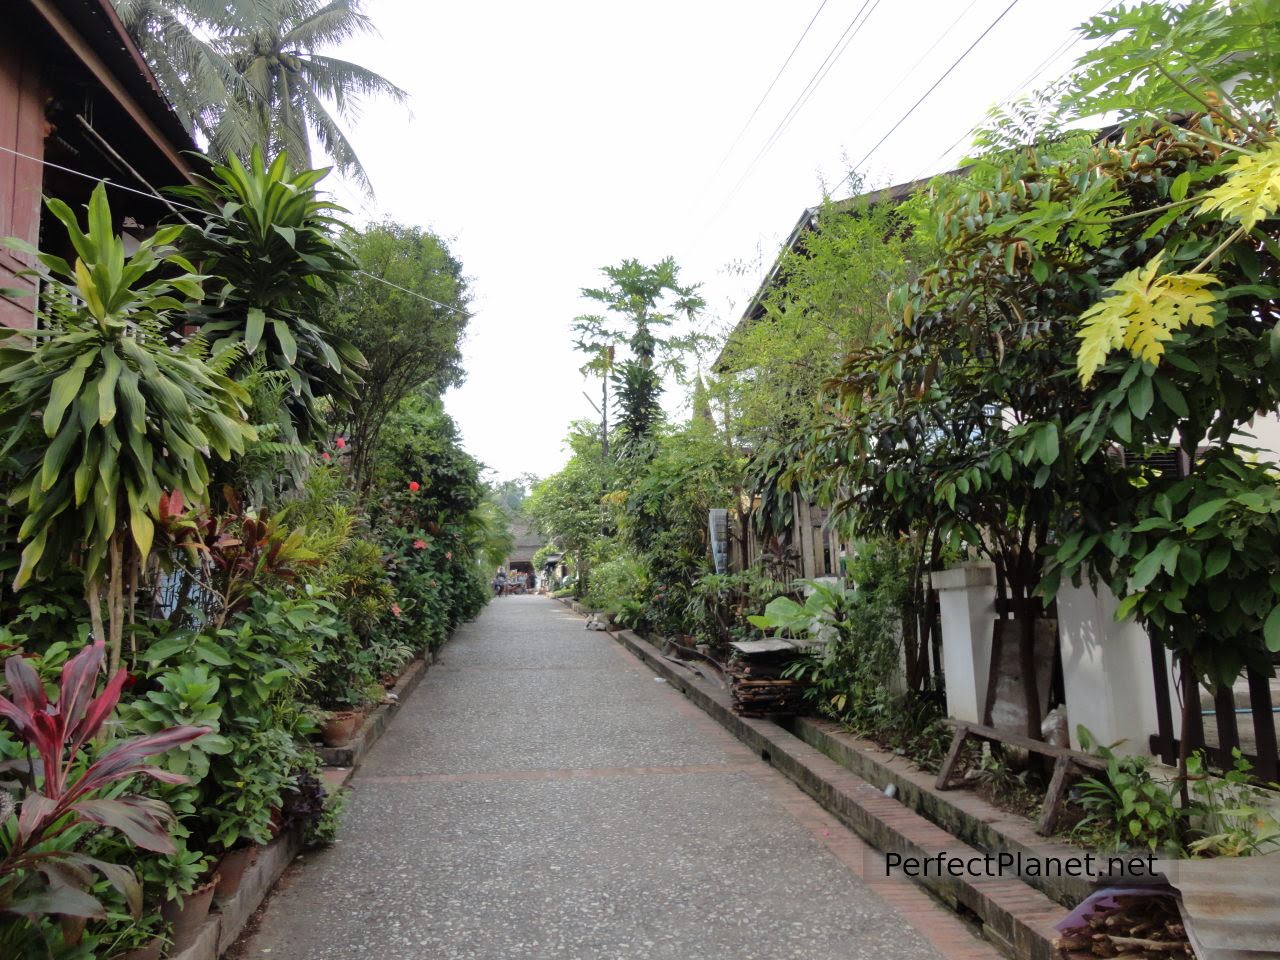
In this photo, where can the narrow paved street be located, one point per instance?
(542, 795)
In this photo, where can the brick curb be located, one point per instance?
(1015, 917)
(376, 722)
(960, 813)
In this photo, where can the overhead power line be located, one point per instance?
(946, 73)
(833, 55)
(773, 83)
(155, 195)
(1059, 51)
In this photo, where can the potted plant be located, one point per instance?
(251, 781)
(340, 726)
(183, 883)
(231, 871)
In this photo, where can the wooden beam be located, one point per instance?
(78, 45)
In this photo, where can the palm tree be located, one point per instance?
(247, 73)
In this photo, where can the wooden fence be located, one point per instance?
(810, 549)
(1242, 716)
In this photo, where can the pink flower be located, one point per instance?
(395, 608)
(448, 555)
(342, 443)
(415, 486)
(419, 544)
(324, 456)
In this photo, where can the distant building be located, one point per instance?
(527, 542)
(76, 95)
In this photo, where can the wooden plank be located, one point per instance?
(953, 754)
(1267, 766)
(992, 735)
(774, 645)
(1224, 708)
(804, 534)
(1053, 798)
(24, 221)
(1162, 744)
(11, 60)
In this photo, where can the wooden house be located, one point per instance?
(77, 102)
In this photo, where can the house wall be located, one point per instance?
(21, 129)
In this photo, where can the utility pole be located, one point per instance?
(604, 401)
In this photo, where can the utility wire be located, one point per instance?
(1063, 48)
(901, 120)
(154, 195)
(773, 83)
(837, 49)
(924, 56)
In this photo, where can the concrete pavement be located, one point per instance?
(542, 796)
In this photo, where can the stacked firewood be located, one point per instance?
(1138, 926)
(758, 687)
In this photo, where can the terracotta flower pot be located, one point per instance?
(341, 726)
(188, 916)
(231, 869)
(150, 951)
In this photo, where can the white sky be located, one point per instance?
(547, 140)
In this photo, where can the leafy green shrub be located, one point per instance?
(616, 583)
(1233, 814)
(323, 830)
(855, 677)
(1127, 806)
(720, 604)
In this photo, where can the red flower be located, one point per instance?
(419, 544)
(342, 443)
(415, 486)
(324, 456)
(395, 608)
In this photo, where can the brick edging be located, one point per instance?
(375, 723)
(1015, 917)
(960, 813)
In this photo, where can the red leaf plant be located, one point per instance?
(231, 553)
(42, 871)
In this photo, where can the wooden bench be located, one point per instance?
(1066, 763)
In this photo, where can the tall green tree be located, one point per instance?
(406, 313)
(640, 302)
(248, 73)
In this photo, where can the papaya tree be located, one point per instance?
(640, 302)
(104, 410)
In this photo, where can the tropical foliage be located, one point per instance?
(250, 73)
(178, 496)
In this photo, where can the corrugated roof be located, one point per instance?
(1230, 906)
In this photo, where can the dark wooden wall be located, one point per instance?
(21, 129)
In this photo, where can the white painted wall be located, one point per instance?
(1106, 670)
(967, 599)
